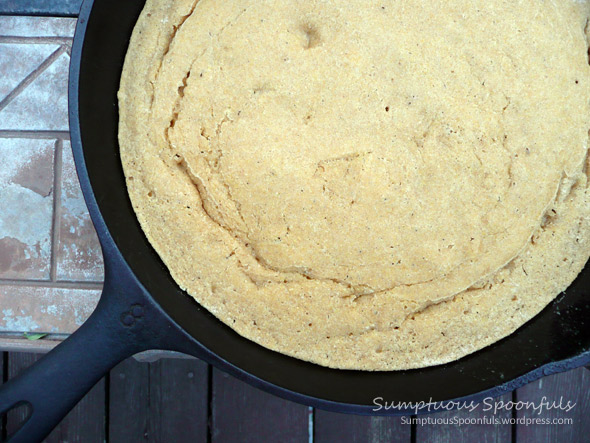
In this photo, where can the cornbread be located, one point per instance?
(370, 185)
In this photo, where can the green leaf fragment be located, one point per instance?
(34, 336)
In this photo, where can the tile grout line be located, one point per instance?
(61, 135)
(56, 220)
(31, 77)
(88, 285)
(57, 40)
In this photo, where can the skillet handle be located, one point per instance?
(124, 323)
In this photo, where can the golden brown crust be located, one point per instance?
(350, 185)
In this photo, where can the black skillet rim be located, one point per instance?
(556, 340)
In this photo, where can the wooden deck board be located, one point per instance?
(85, 423)
(449, 429)
(573, 386)
(128, 402)
(241, 413)
(167, 400)
(157, 402)
(3, 376)
(179, 409)
(330, 427)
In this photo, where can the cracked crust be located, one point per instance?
(355, 191)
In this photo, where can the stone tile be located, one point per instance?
(37, 26)
(43, 105)
(26, 202)
(79, 255)
(34, 309)
(17, 61)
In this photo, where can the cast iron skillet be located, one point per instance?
(142, 308)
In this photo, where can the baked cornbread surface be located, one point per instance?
(361, 184)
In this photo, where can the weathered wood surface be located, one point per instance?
(464, 426)
(331, 427)
(183, 400)
(565, 426)
(241, 413)
(84, 424)
(158, 402)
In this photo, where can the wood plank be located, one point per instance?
(129, 402)
(179, 390)
(468, 426)
(18, 361)
(330, 427)
(573, 386)
(85, 423)
(160, 401)
(2, 377)
(241, 413)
